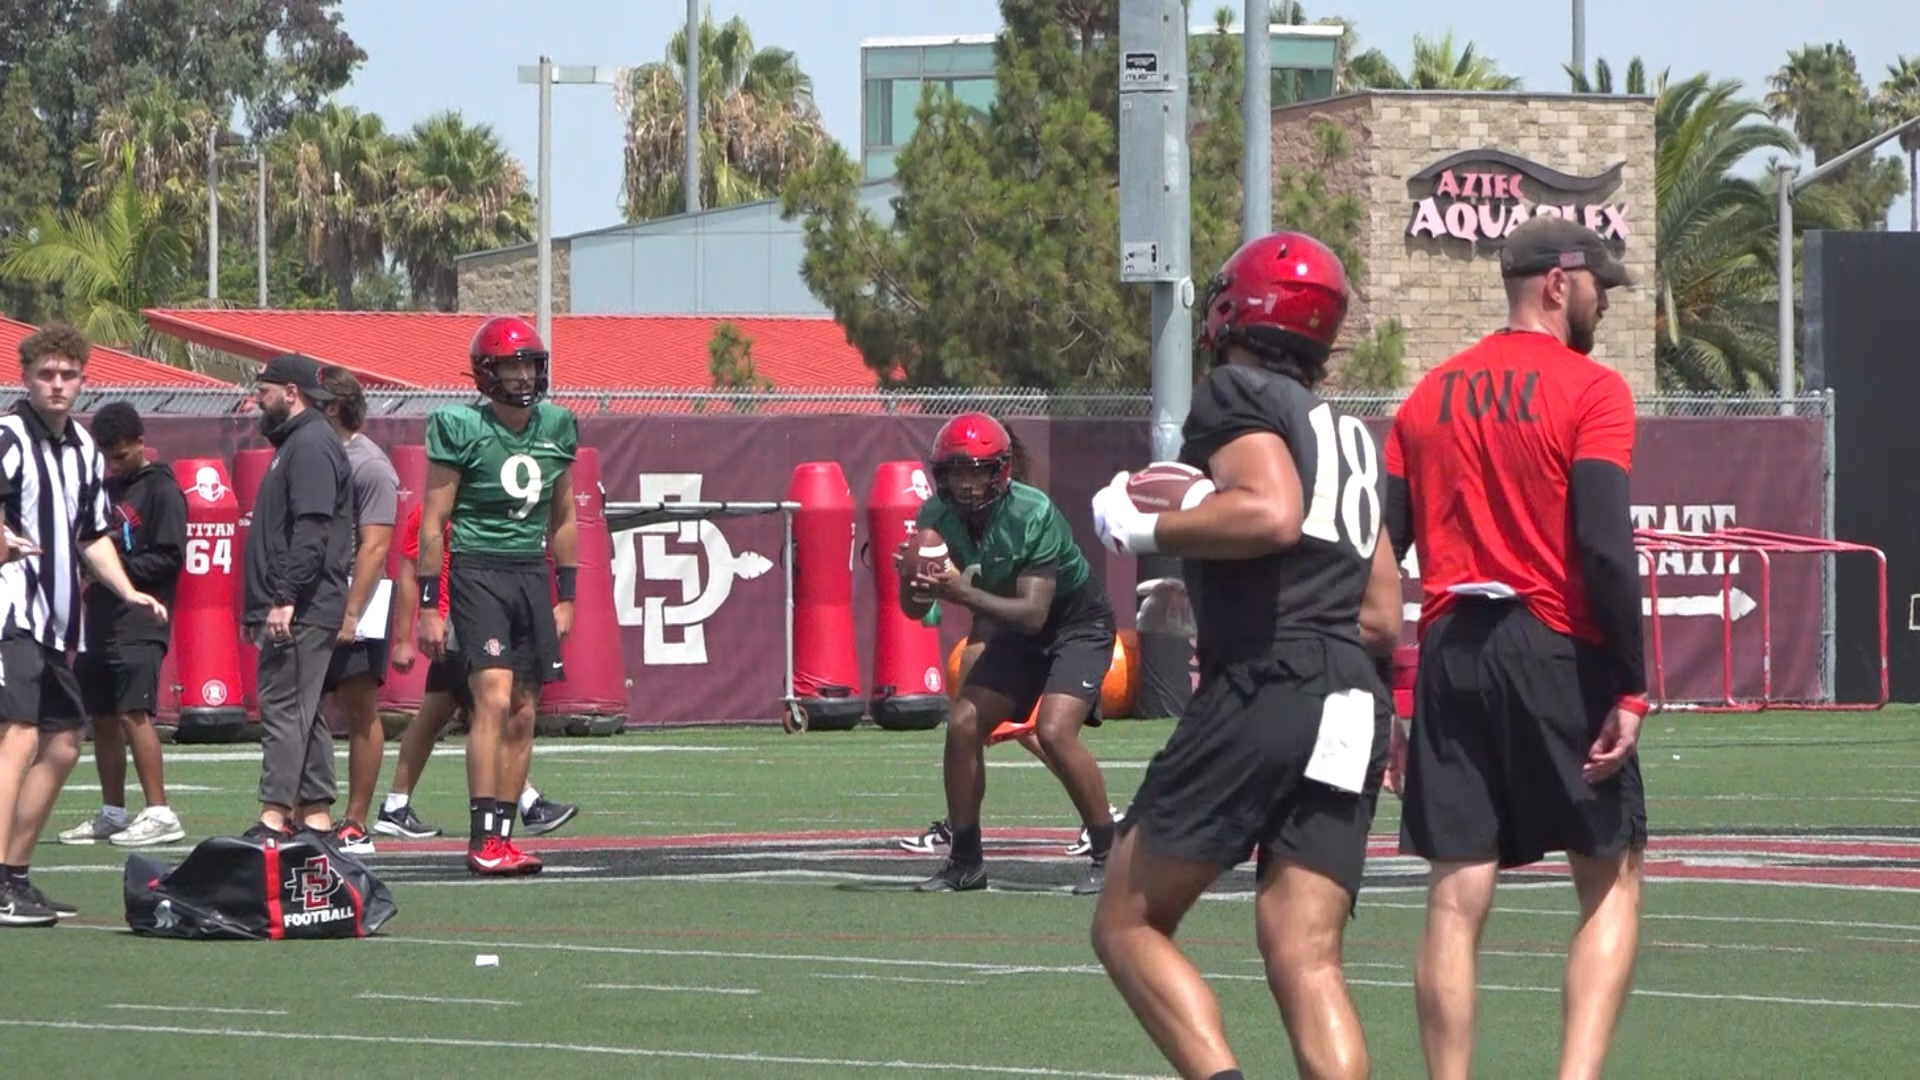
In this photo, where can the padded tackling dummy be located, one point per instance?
(239, 888)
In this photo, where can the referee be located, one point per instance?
(1507, 468)
(53, 499)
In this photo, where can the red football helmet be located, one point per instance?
(505, 337)
(972, 440)
(1286, 292)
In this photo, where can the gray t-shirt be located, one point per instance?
(376, 486)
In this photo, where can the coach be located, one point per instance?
(299, 553)
(1507, 468)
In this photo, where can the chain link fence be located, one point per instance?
(211, 401)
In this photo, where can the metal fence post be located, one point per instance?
(1830, 571)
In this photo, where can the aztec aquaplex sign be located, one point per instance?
(1481, 196)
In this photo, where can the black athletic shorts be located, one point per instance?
(448, 675)
(36, 685)
(117, 679)
(1505, 712)
(503, 616)
(1232, 778)
(367, 657)
(1069, 656)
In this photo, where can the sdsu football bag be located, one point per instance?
(241, 888)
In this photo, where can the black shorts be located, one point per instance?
(502, 615)
(1232, 778)
(117, 679)
(448, 675)
(1071, 658)
(367, 657)
(1505, 711)
(36, 685)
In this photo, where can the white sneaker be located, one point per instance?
(151, 827)
(1085, 844)
(100, 828)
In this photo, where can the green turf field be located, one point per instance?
(801, 956)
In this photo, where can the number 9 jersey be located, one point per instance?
(1243, 606)
(506, 477)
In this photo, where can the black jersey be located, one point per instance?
(1243, 606)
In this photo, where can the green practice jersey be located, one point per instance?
(506, 477)
(1024, 531)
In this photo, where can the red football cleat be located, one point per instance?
(520, 861)
(494, 858)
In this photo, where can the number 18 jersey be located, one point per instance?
(506, 477)
(1315, 588)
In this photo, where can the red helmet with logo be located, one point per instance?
(503, 338)
(972, 440)
(1283, 293)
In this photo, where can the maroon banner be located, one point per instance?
(701, 604)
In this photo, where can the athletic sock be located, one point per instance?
(115, 814)
(397, 802)
(482, 814)
(505, 812)
(528, 798)
(1228, 1074)
(15, 874)
(1099, 840)
(966, 846)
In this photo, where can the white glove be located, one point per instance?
(1122, 527)
(1165, 608)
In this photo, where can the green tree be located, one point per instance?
(730, 364)
(1436, 65)
(1897, 102)
(131, 255)
(344, 179)
(458, 191)
(759, 124)
(28, 185)
(1602, 80)
(1819, 90)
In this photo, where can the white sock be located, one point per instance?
(528, 798)
(161, 811)
(397, 802)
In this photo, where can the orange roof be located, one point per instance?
(428, 350)
(110, 368)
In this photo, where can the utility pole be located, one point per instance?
(546, 74)
(213, 212)
(693, 107)
(260, 220)
(1580, 36)
(1256, 110)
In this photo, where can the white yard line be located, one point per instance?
(437, 1000)
(203, 1009)
(664, 988)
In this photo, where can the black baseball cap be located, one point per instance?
(1546, 242)
(301, 371)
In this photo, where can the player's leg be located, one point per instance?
(137, 693)
(313, 648)
(537, 661)
(1301, 916)
(516, 750)
(62, 715)
(1078, 661)
(479, 598)
(109, 751)
(1451, 816)
(354, 679)
(446, 692)
(981, 705)
(19, 741)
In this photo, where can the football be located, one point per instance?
(928, 556)
(1167, 485)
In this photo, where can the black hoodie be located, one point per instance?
(148, 525)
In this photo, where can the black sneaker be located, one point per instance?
(1095, 879)
(405, 824)
(954, 876)
(60, 910)
(18, 907)
(260, 830)
(545, 815)
(938, 837)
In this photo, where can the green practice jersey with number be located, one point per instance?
(1024, 532)
(506, 477)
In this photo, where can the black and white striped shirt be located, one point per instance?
(53, 489)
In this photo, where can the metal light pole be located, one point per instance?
(1580, 36)
(1791, 184)
(260, 220)
(1256, 111)
(545, 74)
(692, 180)
(213, 213)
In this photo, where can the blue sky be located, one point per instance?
(428, 55)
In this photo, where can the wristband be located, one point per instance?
(429, 593)
(1632, 703)
(564, 578)
(1138, 535)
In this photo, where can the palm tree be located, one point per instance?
(344, 166)
(758, 123)
(1898, 102)
(1820, 89)
(168, 137)
(1602, 81)
(1715, 277)
(459, 191)
(134, 253)
(1437, 65)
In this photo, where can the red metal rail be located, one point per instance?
(1763, 544)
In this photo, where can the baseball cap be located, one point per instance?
(1545, 242)
(301, 371)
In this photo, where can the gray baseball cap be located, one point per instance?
(1545, 242)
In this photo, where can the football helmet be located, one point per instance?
(972, 440)
(502, 338)
(1285, 292)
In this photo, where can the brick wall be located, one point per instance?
(1447, 293)
(508, 280)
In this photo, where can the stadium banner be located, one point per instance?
(701, 604)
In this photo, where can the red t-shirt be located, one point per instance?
(410, 550)
(1486, 443)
